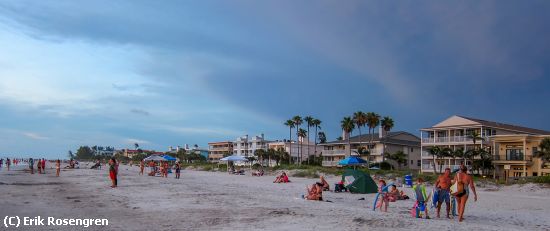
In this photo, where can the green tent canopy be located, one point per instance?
(359, 182)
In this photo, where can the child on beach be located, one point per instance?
(384, 200)
(421, 198)
(57, 167)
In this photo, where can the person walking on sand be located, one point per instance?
(31, 165)
(57, 167)
(166, 168)
(442, 187)
(466, 180)
(43, 166)
(39, 166)
(141, 167)
(112, 172)
(178, 168)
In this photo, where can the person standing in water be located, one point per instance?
(112, 172)
(461, 199)
(57, 167)
(443, 186)
(8, 163)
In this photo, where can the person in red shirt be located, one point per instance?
(113, 172)
(43, 166)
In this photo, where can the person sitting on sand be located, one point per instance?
(314, 192)
(258, 173)
(461, 199)
(283, 178)
(324, 183)
(393, 194)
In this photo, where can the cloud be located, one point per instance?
(140, 112)
(133, 141)
(35, 136)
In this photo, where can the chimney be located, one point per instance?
(381, 132)
(345, 135)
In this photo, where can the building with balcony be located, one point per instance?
(456, 132)
(378, 144)
(513, 155)
(246, 146)
(217, 150)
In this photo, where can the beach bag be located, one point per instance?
(457, 189)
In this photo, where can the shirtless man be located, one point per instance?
(461, 200)
(443, 186)
(141, 167)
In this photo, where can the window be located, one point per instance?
(412, 162)
(412, 149)
(535, 150)
(418, 163)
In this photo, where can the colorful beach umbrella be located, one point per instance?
(352, 161)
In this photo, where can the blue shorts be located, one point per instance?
(444, 196)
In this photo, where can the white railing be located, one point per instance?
(431, 167)
(330, 163)
(449, 139)
(337, 152)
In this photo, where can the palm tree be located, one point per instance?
(544, 152)
(290, 125)
(373, 120)
(362, 151)
(434, 151)
(316, 124)
(322, 137)
(136, 145)
(298, 121)
(387, 125)
(260, 153)
(309, 120)
(360, 119)
(458, 153)
(445, 152)
(348, 125)
(399, 157)
(301, 134)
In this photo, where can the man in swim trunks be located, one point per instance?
(443, 186)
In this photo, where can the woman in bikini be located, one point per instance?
(467, 181)
(57, 167)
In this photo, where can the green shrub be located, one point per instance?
(306, 174)
(542, 179)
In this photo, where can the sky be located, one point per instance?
(115, 73)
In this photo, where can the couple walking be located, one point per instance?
(443, 188)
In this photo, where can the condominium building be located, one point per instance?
(378, 144)
(514, 155)
(296, 150)
(456, 132)
(246, 146)
(217, 150)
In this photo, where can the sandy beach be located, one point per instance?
(219, 201)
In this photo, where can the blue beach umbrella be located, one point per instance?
(352, 161)
(169, 158)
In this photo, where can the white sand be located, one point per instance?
(219, 201)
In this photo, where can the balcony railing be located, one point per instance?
(330, 163)
(449, 139)
(513, 157)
